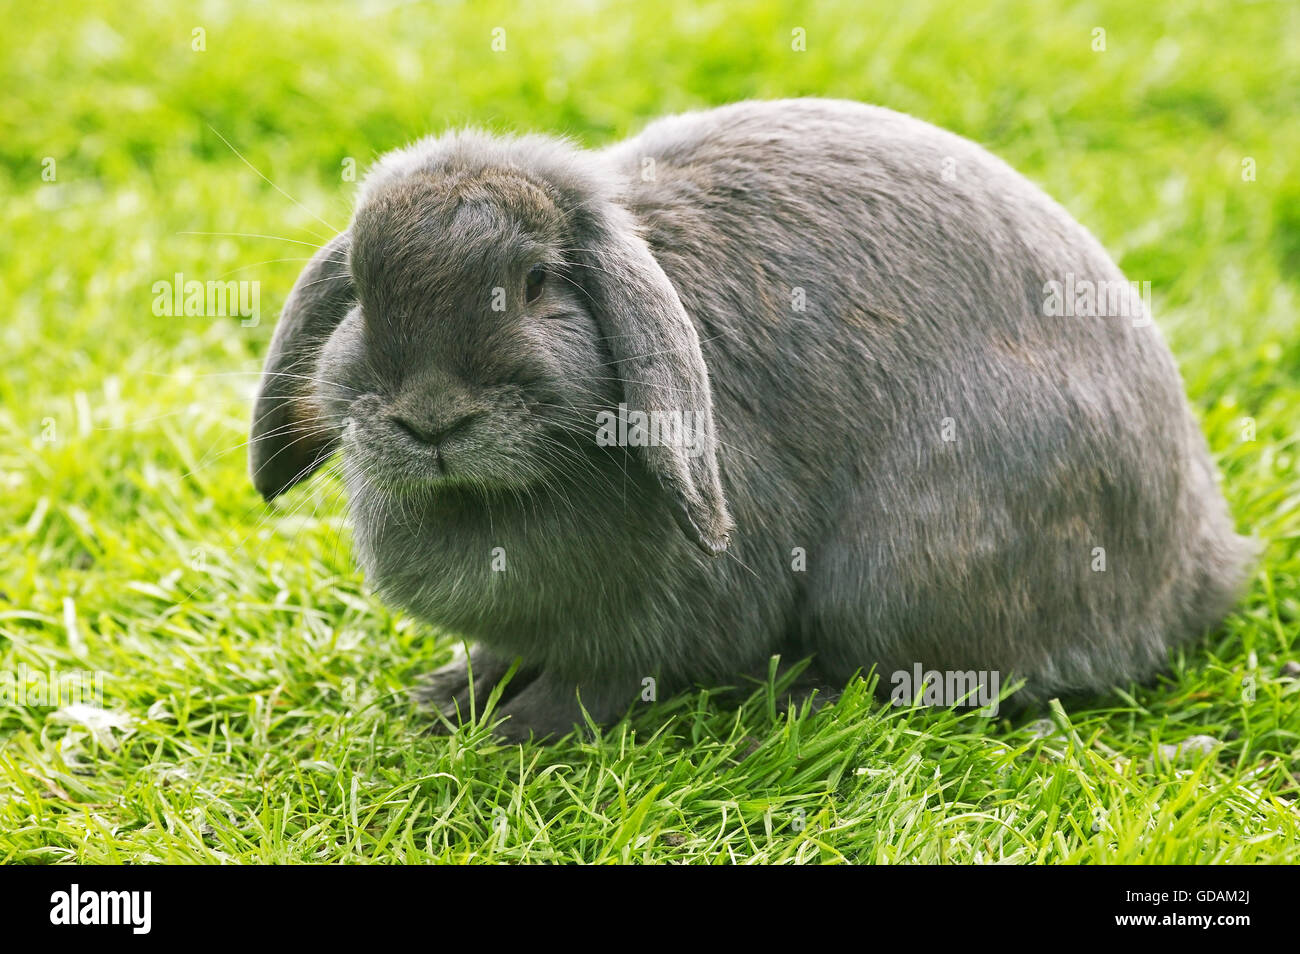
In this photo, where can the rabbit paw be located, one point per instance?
(548, 709)
(448, 690)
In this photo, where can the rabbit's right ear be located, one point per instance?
(289, 439)
(656, 351)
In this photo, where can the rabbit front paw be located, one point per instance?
(459, 690)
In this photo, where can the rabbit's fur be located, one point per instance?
(904, 459)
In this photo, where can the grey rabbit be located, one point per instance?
(782, 377)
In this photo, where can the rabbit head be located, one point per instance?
(490, 301)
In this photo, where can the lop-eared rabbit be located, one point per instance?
(803, 377)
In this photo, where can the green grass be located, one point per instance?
(258, 686)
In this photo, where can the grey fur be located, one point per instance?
(923, 261)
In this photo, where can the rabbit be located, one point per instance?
(786, 377)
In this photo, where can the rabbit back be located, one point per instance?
(922, 458)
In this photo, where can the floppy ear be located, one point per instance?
(657, 355)
(289, 440)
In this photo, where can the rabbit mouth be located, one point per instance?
(386, 451)
(396, 455)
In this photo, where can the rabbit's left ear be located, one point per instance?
(288, 439)
(657, 355)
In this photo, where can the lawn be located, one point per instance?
(253, 691)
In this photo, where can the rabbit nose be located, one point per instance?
(432, 434)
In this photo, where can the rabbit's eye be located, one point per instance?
(533, 283)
